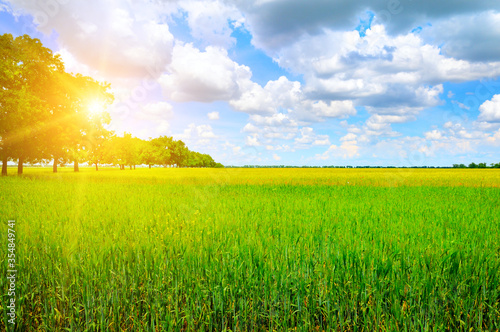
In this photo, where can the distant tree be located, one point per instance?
(162, 150)
(459, 166)
(178, 153)
(148, 155)
(473, 165)
(96, 140)
(132, 152)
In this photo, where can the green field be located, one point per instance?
(254, 249)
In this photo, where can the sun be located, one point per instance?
(95, 107)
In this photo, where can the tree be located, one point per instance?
(130, 150)
(44, 109)
(27, 69)
(96, 139)
(148, 154)
(89, 133)
(162, 151)
(178, 152)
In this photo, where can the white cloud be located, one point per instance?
(213, 115)
(460, 105)
(72, 65)
(433, 135)
(347, 150)
(322, 141)
(276, 126)
(201, 135)
(379, 71)
(495, 138)
(490, 110)
(275, 120)
(252, 140)
(266, 100)
(114, 38)
(276, 157)
(349, 137)
(284, 94)
(209, 21)
(309, 137)
(203, 76)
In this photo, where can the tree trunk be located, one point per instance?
(149, 165)
(20, 166)
(134, 167)
(4, 166)
(96, 166)
(76, 167)
(54, 166)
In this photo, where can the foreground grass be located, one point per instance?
(187, 249)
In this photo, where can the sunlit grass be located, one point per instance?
(389, 177)
(255, 249)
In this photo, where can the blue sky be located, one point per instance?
(289, 82)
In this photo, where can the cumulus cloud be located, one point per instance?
(206, 76)
(266, 100)
(433, 135)
(252, 140)
(468, 37)
(283, 94)
(212, 22)
(275, 24)
(213, 116)
(268, 128)
(490, 110)
(200, 135)
(308, 137)
(119, 38)
(377, 70)
(348, 149)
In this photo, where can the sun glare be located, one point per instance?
(95, 107)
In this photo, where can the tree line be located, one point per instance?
(164, 150)
(45, 115)
(479, 165)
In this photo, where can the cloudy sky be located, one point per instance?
(292, 82)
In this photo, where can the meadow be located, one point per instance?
(254, 249)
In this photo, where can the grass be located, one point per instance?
(254, 249)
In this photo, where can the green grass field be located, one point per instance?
(254, 249)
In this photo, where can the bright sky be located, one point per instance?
(289, 82)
